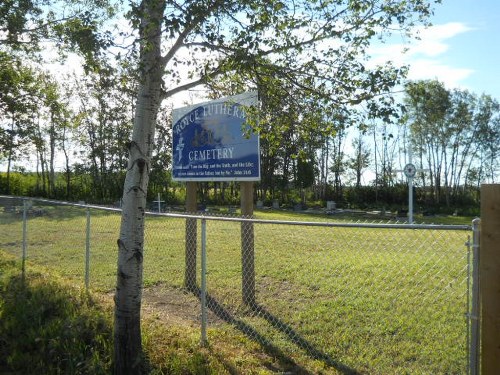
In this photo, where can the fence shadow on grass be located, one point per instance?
(222, 313)
(301, 342)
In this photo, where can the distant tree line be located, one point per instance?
(67, 137)
(82, 124)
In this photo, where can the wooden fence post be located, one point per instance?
(247, 245)
(489, 279)
(191, 237)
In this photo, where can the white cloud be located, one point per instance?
(433, 40)
(432, 69)
(425, 56)
(444, 31)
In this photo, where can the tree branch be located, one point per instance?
(203, 79)
(197, 20)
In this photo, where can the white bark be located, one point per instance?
(127, 343)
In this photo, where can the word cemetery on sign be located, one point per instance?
(211, 141)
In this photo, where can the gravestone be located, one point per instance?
(331, 205)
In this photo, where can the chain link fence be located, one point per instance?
(356, 297)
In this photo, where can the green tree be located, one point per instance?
(18, 93)
(161, 160)
(27, 29)
(50, 114)
(16, 16)
(487, 138)
(429, 105)
(105, 108)
(455, 133)
(360, 160)
(27, 25)
(462, 134)
(32, 121)
(62, 130)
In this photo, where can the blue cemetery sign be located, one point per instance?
(211, 142)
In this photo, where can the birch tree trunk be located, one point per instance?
(127, 334)
(52, 145)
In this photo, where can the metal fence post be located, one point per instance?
(474, 313)
(25, 239)
(87, 252)
(203, 282)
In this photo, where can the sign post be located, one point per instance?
(247, 245)
(212, 142)
(191, 237)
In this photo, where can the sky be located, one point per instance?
(461, 49)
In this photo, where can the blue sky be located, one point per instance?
(462, 48)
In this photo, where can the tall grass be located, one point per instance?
(47, 327)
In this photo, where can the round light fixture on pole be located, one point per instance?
(410, 170)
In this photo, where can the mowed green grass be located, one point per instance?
(377, 301)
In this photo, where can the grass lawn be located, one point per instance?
(328, 299)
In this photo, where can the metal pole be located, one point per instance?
(203, 282)
(410, 200)
(25, 239)
(410, 189)
(474, 315)
(87, 252)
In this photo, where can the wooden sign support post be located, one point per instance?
(489, 279)
(247, 245)
(191, 237)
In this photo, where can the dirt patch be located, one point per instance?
(176, 306)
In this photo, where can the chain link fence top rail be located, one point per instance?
(359, 298)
